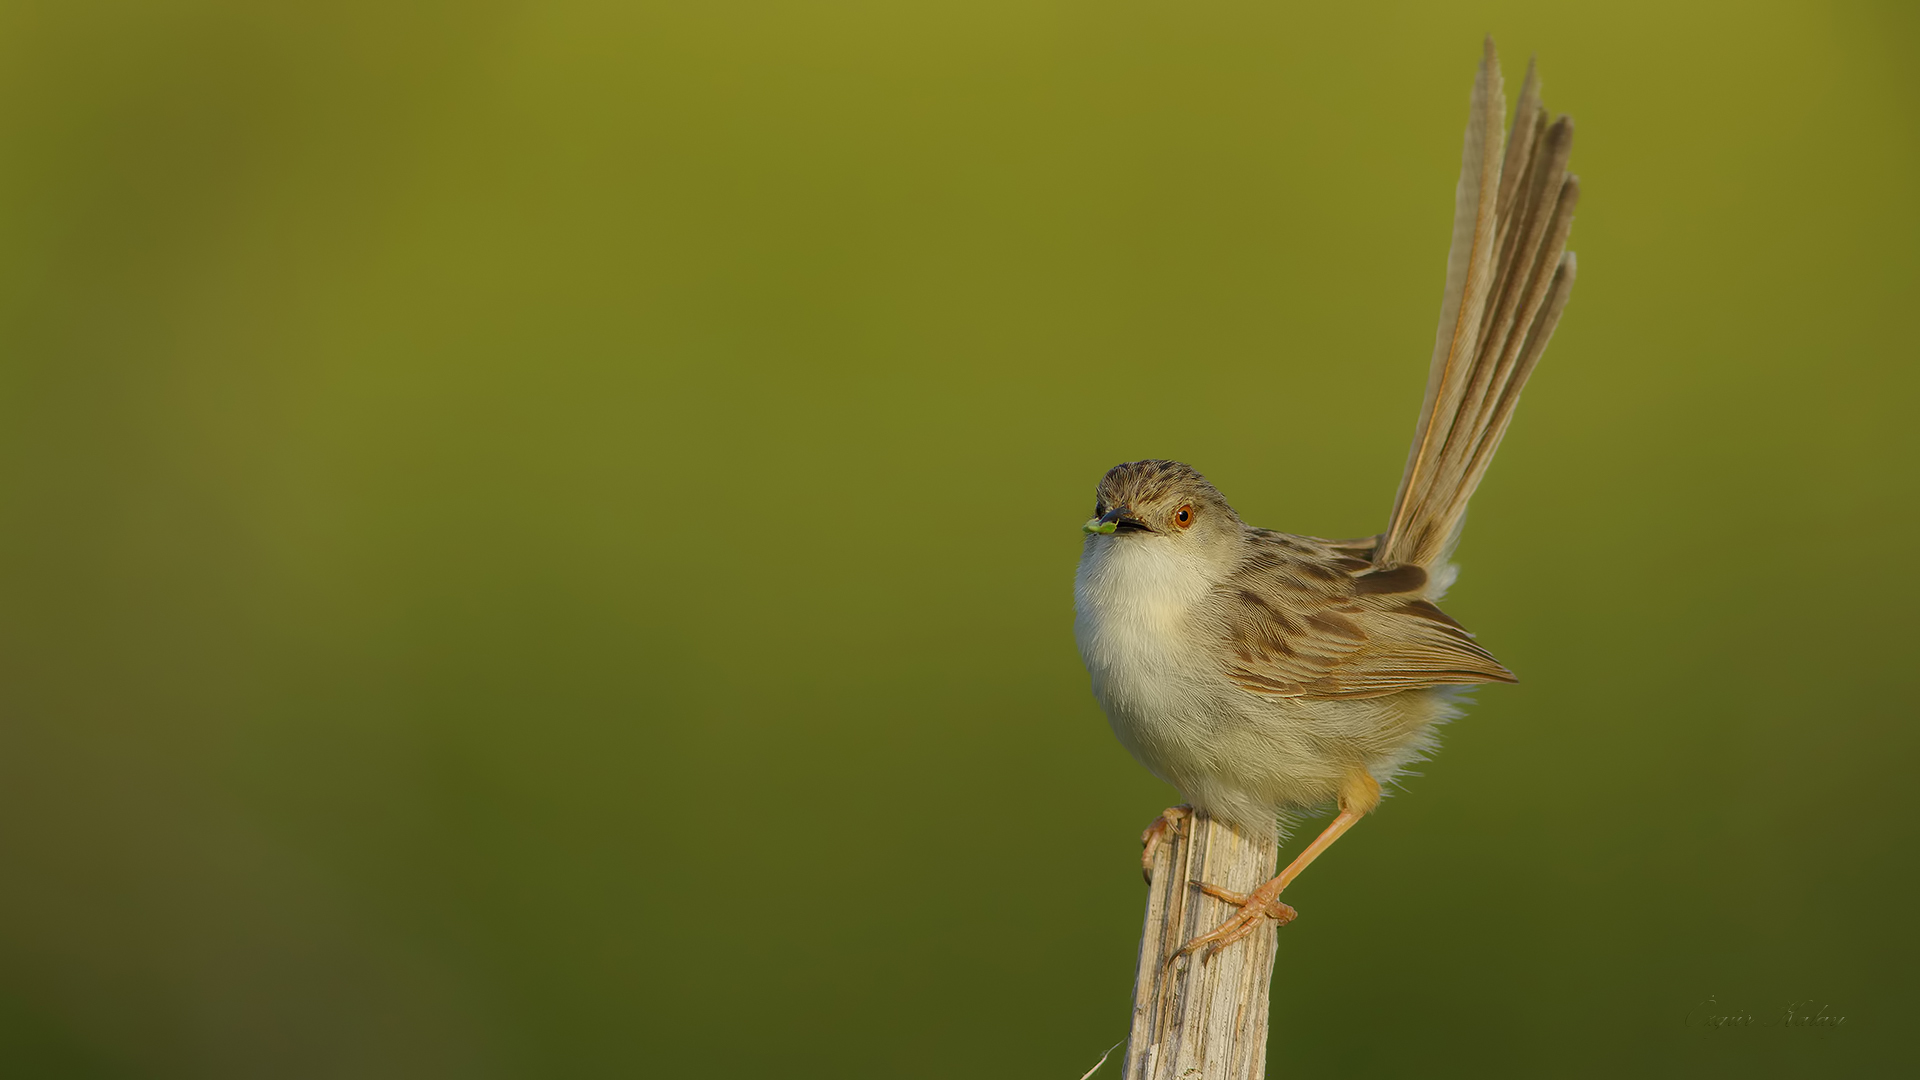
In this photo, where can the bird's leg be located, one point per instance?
(1168, 823)
(1358, 795)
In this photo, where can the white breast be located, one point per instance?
(1135, 599)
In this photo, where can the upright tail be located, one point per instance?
(1508, 276)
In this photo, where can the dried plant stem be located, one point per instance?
(1193, 1020)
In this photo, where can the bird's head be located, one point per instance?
(1160, 500)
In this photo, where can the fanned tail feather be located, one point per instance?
(1508, 277)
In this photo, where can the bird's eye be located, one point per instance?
(1183, 517)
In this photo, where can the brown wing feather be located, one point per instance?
(1307, 618)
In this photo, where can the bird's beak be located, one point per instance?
(1120, 518)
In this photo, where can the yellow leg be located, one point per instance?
(1358, 796)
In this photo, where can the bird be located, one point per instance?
(1265, 674)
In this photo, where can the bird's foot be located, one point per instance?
(1260, 904)
(1167, 824)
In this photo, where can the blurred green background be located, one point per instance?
(536, 539)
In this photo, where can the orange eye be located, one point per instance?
(1183, 517)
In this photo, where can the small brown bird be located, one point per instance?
(1262, 673)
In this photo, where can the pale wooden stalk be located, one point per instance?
(1195, 1021)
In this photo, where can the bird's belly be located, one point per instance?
(1147, 677)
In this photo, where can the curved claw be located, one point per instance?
(1167, 824)
(1262, 903)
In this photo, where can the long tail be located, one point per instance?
(1508, 276)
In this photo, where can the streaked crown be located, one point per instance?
(1148, 484)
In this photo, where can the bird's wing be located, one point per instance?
(1304, 618)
